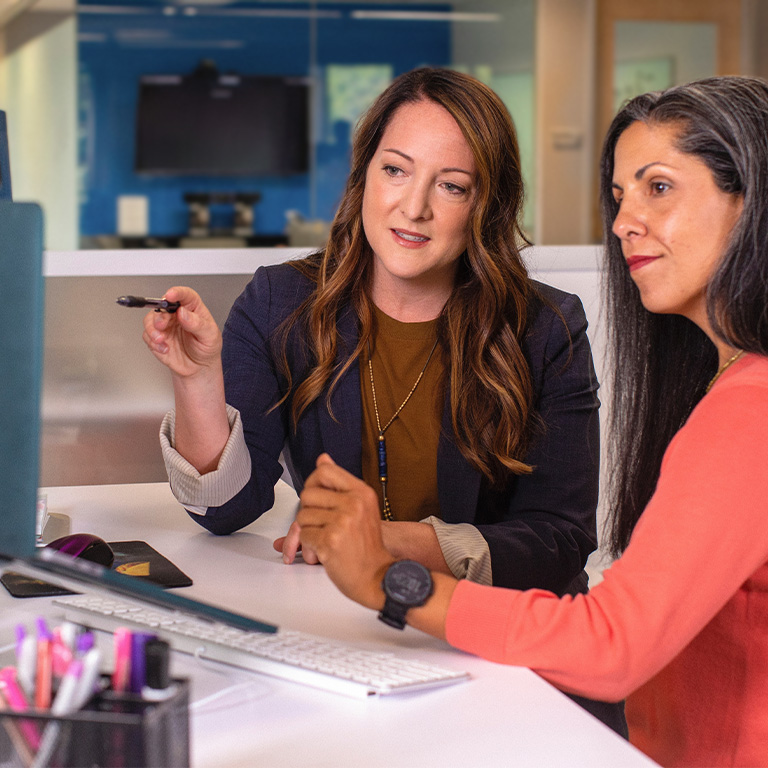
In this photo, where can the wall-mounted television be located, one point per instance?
(222, 125)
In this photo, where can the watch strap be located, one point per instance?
(393, 613)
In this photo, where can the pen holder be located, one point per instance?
(112, 731)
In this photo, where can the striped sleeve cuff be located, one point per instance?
(464, 549)
(198, 492)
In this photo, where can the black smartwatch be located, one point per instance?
(406, 584)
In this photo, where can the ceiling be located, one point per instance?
(10, 9)
(465, 5)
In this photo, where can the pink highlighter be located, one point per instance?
(16, 701)
(121, 676)
(61, 654)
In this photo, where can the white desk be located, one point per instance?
(504, 715)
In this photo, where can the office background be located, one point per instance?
(69, 81)
(348, 65)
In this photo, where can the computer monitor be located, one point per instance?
(21, 353)
(5, 163)
(222, 125)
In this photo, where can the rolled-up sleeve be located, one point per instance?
(198, 491)
(465, 550)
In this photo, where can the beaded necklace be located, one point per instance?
(382, 444)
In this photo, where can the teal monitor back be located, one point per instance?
(5, 162)
(21, 355)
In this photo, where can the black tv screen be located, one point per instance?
(227, 125)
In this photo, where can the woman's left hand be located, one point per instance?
(290, 546)
(339, 521)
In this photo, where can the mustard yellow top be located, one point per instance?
(399, 352)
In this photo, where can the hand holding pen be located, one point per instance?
(187, 341)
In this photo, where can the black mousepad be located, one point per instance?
(139, 559)
(132, 558)
(20, 585)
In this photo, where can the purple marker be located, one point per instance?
(138, 662)
(84, 644)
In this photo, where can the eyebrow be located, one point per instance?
(410, 159)
(639, 173)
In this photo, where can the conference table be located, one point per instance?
(502, 716)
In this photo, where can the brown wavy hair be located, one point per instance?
(482, 324)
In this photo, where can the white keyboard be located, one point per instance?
(294, 656)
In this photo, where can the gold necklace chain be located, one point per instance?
(382, 445)
(724, 367)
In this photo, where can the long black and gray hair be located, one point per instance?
(660, 364)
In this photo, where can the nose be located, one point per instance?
(415, 202)
(629, 222)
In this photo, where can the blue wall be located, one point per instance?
(115, 50)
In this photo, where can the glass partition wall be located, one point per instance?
(173, 81)
(71, 83)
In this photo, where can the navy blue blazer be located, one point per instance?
(540, 528)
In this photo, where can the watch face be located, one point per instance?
(408, 582)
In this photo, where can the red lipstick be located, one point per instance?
(640, 260)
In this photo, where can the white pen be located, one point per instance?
(69, 634)
(64, 701)
(86, 686)
(26, 665)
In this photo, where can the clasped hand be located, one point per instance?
(338, 525)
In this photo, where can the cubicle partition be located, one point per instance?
(104, 395)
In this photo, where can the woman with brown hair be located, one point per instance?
(414, 349)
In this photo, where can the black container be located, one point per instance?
(112, 731)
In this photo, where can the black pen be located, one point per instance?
(160, 305)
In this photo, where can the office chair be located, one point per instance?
(21, 360)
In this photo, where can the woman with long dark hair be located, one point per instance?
(679, 625)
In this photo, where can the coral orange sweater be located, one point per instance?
(679, 625)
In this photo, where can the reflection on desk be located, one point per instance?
(503, 715)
